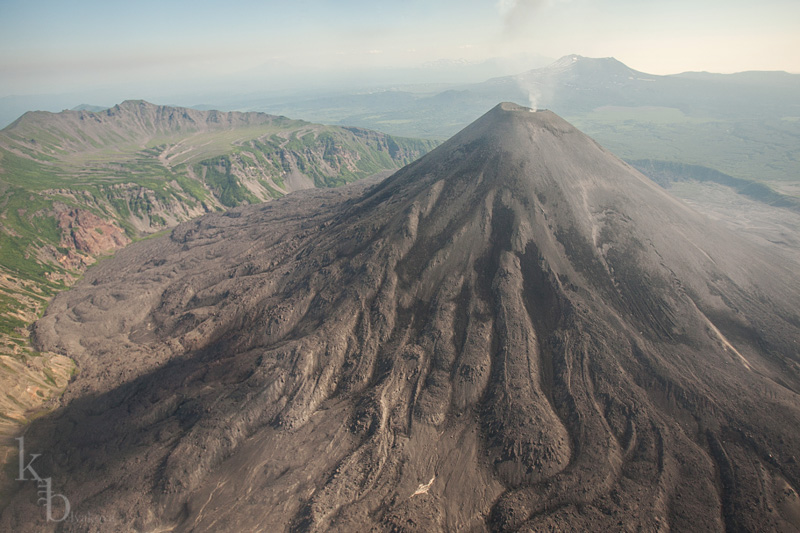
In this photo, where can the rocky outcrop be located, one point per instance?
(87, 233)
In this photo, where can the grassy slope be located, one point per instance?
(766, 150)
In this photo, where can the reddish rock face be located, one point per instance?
(89, 234)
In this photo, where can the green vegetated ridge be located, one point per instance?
(77, 185)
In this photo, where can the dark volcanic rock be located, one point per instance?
(516, 331)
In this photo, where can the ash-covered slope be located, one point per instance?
(517, 330)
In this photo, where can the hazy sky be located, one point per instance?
(52, 46)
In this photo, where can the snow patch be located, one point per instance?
(423, 489)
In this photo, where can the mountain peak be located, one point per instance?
(135, 106)
(513, 128)
(594, 69)
(568, 59)
(506, 114)
(531, 152)
(576, 58)
(511, 110)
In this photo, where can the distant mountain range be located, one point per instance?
(78, 185)
(574, 85)
(746, 124)
(274, 81)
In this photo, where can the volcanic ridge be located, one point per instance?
(516, 331)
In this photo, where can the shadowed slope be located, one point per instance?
(516, 330)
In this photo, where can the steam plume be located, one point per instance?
(517, 12)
